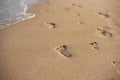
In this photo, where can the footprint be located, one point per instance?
(105, 32)
(73, 4)
(76, 5)
(80, 22)
(67, 9)
(62, 49)
(50, 25)
(94, 45)
(104, 14)
(117, 65)
(77, 14)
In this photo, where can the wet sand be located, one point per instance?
(67, 40)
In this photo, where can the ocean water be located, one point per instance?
(13, 11)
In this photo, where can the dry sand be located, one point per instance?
(67, 40)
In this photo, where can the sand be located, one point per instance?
(67, 40)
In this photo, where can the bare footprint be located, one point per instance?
(105, 32)
(80, 22)
(116, 65)
(76, 5)
(62, 49)
(50, 25)
(79, 6)
(67, 9)
(77, 14)
(94, 45)
(104, 14)
(73, 4)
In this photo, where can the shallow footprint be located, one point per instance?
(105, 32)
(117, 65)
(80, 22)
(62, 49)
(76, 5)
(77, 14)
(50, 25)
(94, 45)
(67, 9)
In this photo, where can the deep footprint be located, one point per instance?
(105, 32)
(104, 14)
(94, 45)
(50, 25)
(62, 49)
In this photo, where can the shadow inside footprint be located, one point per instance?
(62, 49)
(105, 32)
(50, 25)
(104, 14)
(95, 45)
(117, 65)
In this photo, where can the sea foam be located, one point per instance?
(13, 11)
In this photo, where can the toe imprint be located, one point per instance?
(105, 32)
(62, 49)
(76, 5)
(95, 45)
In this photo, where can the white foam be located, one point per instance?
(12, 12)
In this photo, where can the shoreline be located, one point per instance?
(18, 19)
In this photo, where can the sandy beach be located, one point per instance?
(66, 40)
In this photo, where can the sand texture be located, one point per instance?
(66, 40)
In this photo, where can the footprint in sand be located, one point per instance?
(80, 22)
(94, 45)
(116, 65)
(76, 5)
(62, 49)
(50, 25)
(73, 4)
(104, 14)
(105, 32)
(77, 14)
(67, 9)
